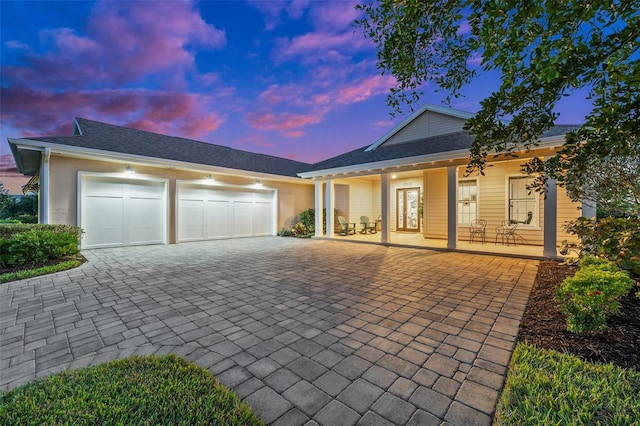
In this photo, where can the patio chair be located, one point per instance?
(506, 231)
(346, 228)
(367, 226)
(477, 229)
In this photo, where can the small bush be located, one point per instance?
(592, 294)
(36, 244)
(308, 219)
(284, 232)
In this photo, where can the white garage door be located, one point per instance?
(121, 212)
(206, 213)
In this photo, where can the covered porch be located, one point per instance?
(433, 205)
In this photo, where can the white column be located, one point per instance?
(43, 193)
(329, 203)
(452, 207)
(589, 209)
(550, 220)
(385, 198)
(318, 205)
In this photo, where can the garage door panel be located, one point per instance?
(145, 223)
(262, 218)
(242, 218)
(104, 222)
(191, 219)
(218, 219)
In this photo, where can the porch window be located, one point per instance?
(523, 202)
(467, 201)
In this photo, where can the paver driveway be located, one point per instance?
(304, 330)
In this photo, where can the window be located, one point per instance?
(523, 202)
(467, 201)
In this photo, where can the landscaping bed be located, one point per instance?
(544, 326)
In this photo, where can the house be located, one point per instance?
(413, 181)
(125, 186)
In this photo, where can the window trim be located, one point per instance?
(477, 181)
(535, 222)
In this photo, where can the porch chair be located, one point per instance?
(346, 228)
(506, 231)
(367, 226)
(477, 229)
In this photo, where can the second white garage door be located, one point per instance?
(207, 213)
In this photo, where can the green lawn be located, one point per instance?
(549, 388)
(152, 390)
(44, 270)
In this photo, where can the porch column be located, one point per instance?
(329, 204)
(385, 200)
(319, 202)
(550, 220)
(43, 192)
(452, 207)
(589, 209)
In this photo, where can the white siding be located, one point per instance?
(435, 204)
(427, 124)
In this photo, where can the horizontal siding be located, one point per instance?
(435, 203)
(425, 125)
(361, 202)
(567, 211)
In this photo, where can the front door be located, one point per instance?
(407, 218)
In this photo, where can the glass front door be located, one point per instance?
(407, 217)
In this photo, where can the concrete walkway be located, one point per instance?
(305, 331)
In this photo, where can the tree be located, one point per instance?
(7, 202)
(543, 50)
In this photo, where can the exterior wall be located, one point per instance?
(63, 202)
(435, 203)
(428, 124)
(567, 211)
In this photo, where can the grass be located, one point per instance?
(35, 272)
(152, 390)
(549, 388)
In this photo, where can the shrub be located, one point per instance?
(36, 244)
(284, 232)
(308, 219)
(592, 294)
(616, 239)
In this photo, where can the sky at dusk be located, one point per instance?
(289, 78)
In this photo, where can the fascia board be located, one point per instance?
(548, 142)
(96, 154)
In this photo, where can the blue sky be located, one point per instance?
(287, 78)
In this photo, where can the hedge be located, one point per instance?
(28, 244)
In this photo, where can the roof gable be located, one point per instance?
(428, 121)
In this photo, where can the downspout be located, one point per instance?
(43, 199)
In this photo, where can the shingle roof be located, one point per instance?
(108, 137)
(431, 145)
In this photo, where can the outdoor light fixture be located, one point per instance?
(394, 176)
(209, 178)
(128, 170)
(258, 183)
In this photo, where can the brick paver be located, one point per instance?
(305, 331)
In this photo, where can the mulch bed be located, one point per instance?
(51, 262)
(545, 326)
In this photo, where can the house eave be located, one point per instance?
(457, 155)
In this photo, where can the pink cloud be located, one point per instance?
(365, 89)
(125, 42)
(382, 123)
(38, 112)
(335, 15)
(320, 43)
(286, 123)
(254, 140)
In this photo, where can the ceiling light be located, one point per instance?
(394, 176)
